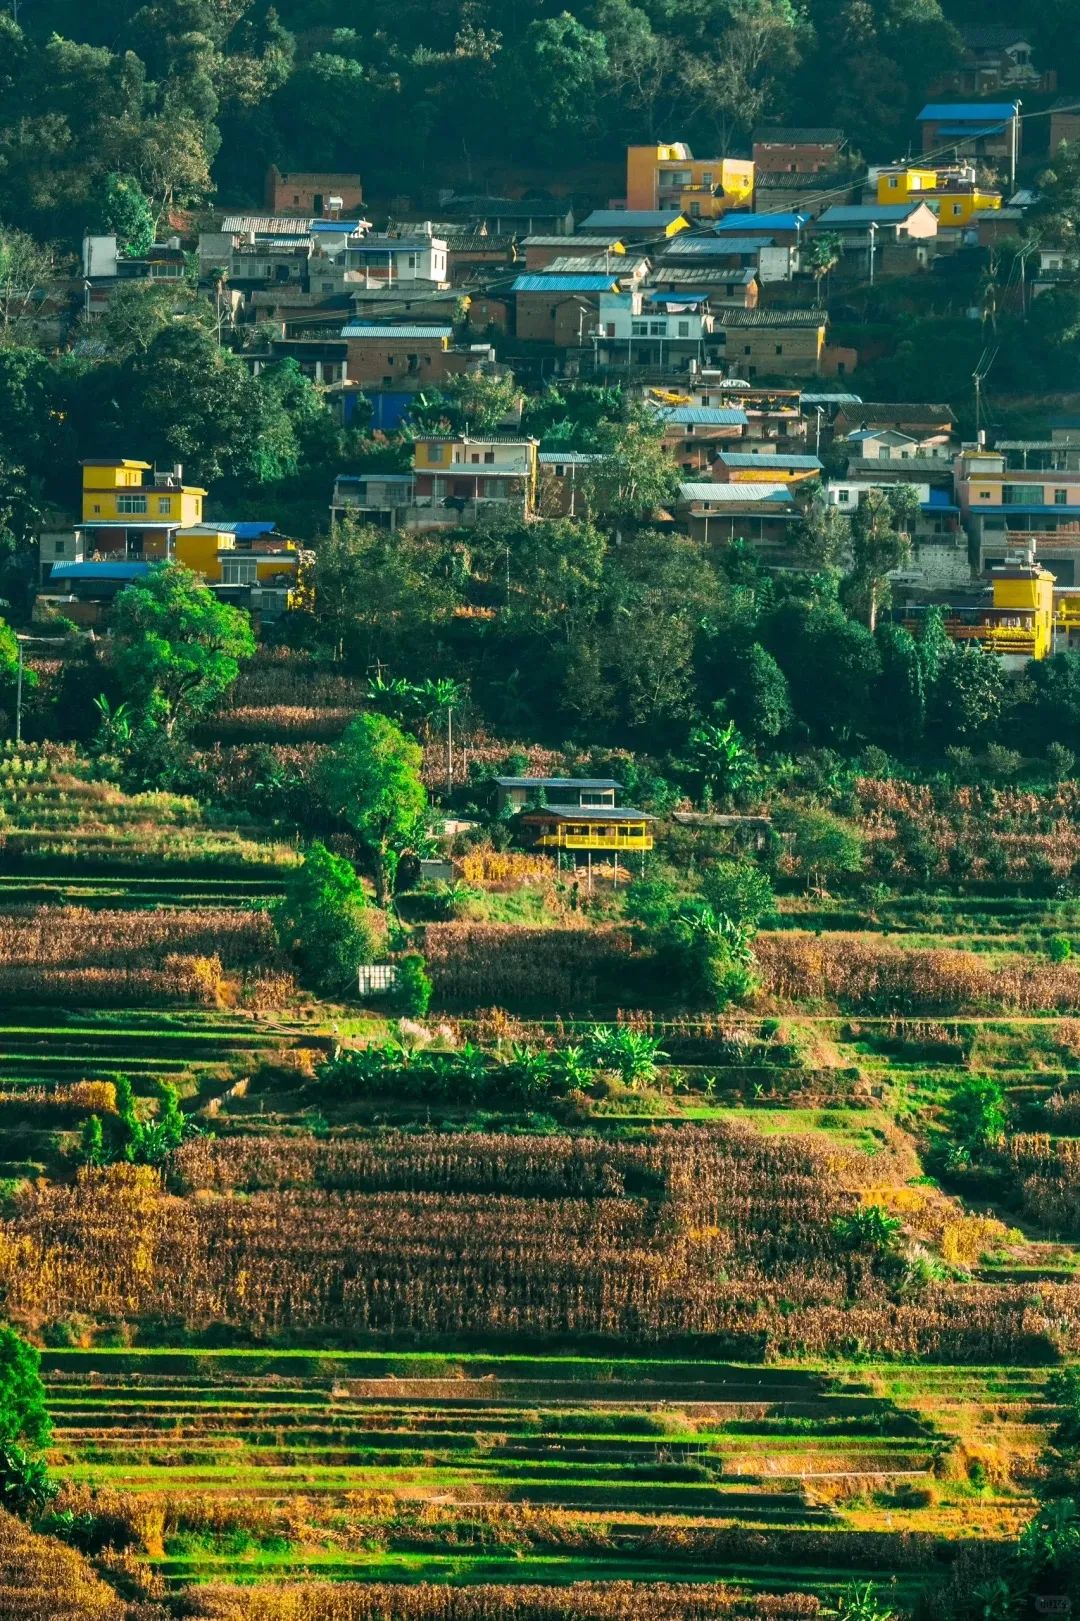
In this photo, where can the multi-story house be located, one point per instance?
(779, 150)
(989, 130)
(652, 329)
(464, 479)
(659, 177)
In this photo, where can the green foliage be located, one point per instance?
(869, 1227)
(413, 988)
(126, 211)
(1059, 948)
(23, 1413)
(824, 848)
(738, 890)
(323, 920)
(371, 783)
(968, 695)
(26, 1487)
(977, 1116)
(92, 1147)
(860, 1602)
(176, 647)
(723, 759)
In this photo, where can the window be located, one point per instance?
(164, 506)
(984, 495)
(97, 509)
(706, 178)
(892, 182)
(695, 210)
(489, 457)
(684, 329)
(412, 261)
(475, 457)
(435, 453)
(657, 329)
(843, 495)
(239, 571)
(747, 349)
(328, 287)
(639, 329)
(1061, 498)
(58, 547)
(779, 348)
(131, 503)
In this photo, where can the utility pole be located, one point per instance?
(19, 696)
(450, 749)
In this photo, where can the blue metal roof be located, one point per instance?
(244, 530)
(104, 570)
(400, 244)
(563, 284)
(732, 223)
(962, 112)
(570, 458)
(660, 296)
(1072, 513)
(937, 506)
(336, 226)
(704, 416)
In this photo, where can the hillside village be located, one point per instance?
(539, 811)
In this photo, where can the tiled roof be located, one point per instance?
(775, 318)
(631, 218)
(570, 458)
(569, 243)
(786, 135)
(558, 782)
(699, 276)
(881, 412)
(685, 246)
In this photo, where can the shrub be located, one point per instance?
(413, 988)
(1059, 948)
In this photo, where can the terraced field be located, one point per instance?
(641, 1466)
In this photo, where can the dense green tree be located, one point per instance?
(832, 665)
(126, 211)
(635, 474)
(968, 696)
(370, 781)
(738, 890)
(759, 699)
(24, 1415)
(902, 689)
(381, 597)
(324, 921)
(176, 648)
(1053, 707)
(881, 529)
(824, 848)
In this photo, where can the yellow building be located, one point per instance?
(118, 491)
(951, 192)
(1018, 622)
(671, 177)
(461, 477)
(595, 827)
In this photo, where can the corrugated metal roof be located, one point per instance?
(963, 111)
(265, 225)
(397, 244)
(779, 458)
(570, 458)
(701, 276)
(734, 494)
(703, 416)
(631, 218)
(784, 220)
(818, 181)
(830, 399)
(563, 284)
(104, 570)
(578, 240)
(865, 213)
(558, 782)
(970, 131)
(773, 318)
(253, 530)
(387, 329)
(338, 227)
(592, 813)
(593, 264)
(685, 246)
(878, 433)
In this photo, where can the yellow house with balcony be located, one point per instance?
(952, 193)
(614, 829)
(671, 177)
